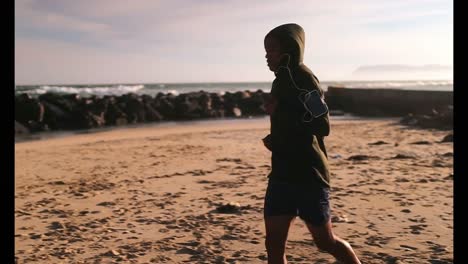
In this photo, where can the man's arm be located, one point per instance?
(318, 126)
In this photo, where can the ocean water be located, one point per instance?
(153, 89)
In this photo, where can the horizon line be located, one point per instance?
(232, 82)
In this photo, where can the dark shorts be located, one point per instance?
(308, 201)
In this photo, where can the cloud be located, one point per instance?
(402, 68)
(224, 38)
(68, 63)
(403, 72)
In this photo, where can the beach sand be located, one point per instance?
(150, 195)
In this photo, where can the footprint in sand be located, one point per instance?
(380, 142)
(417, 220)
(446, 155)
(436, 248)
(204, 181)
(404, 156)
(416, 229)
(256, 197)
(361, 157)
(106, 204)
(406, 203)
(440, 163)
(447, 138)
(423, 142)
(378, 241)
(401, 179)
(229, 160)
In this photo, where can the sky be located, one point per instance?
(152, 41)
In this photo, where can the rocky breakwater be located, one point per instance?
(72, 112)
(426, 109)
(438, 119)
(50, 111)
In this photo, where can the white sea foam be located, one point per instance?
(419, 85)
(97, 90)
(174, 92)
(222, 88)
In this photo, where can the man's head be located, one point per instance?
(273, 52)
(285, 39)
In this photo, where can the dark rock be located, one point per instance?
(53, 111)
(164, 104)
(65, 102)
(251, 104)
(235, 111)
(132, 105)
(28, 109)
(114, 115)
(56, 117)
(438, 119)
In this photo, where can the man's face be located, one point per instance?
(273, 53)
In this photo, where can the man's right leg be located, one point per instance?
(327, 241)
(277, 228)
